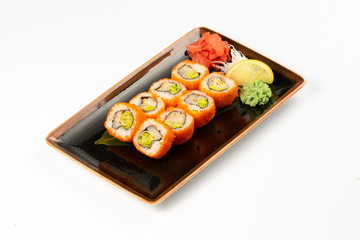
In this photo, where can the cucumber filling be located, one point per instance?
(196, 99)
(202, 102)
(217, 84)
(148, 136)
(123, 119)
(187, 72)
(175, 119)
(147, 104)
(170, 87)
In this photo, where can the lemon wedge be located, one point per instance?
(250, 70)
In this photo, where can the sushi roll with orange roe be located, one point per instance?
(200, 105)
(168, 90)
(221, 88)
(153, 138)
(189, 73)
(180, 122)
(123, 120)
(149, 103)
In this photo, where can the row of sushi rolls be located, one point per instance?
(172, 108)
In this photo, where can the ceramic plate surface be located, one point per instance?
(153, 180)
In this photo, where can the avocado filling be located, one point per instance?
(217, 84)
(187, 72)
(170, 87)
(148, 136)
(175, 119)
(148, 104)
(196, 99)
(123, 119)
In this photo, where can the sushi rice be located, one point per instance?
(168, 90)
(153, 138)
(149, 103)
(221, 88)
(189, 73)
(180, 122)
(199, 105)
(123, 120)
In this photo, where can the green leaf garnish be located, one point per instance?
(107, 139)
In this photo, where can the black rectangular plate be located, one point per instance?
(153, 180)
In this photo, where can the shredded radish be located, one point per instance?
(236, 56)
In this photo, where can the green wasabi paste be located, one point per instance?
(255, 93)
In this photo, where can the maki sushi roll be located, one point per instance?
(153, 138)
(123, 120)
(200, 105)
(189, 73)
(168, 90)
(221, 88)
(149, 103)
(180, 122)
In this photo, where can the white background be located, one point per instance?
(294, 176)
